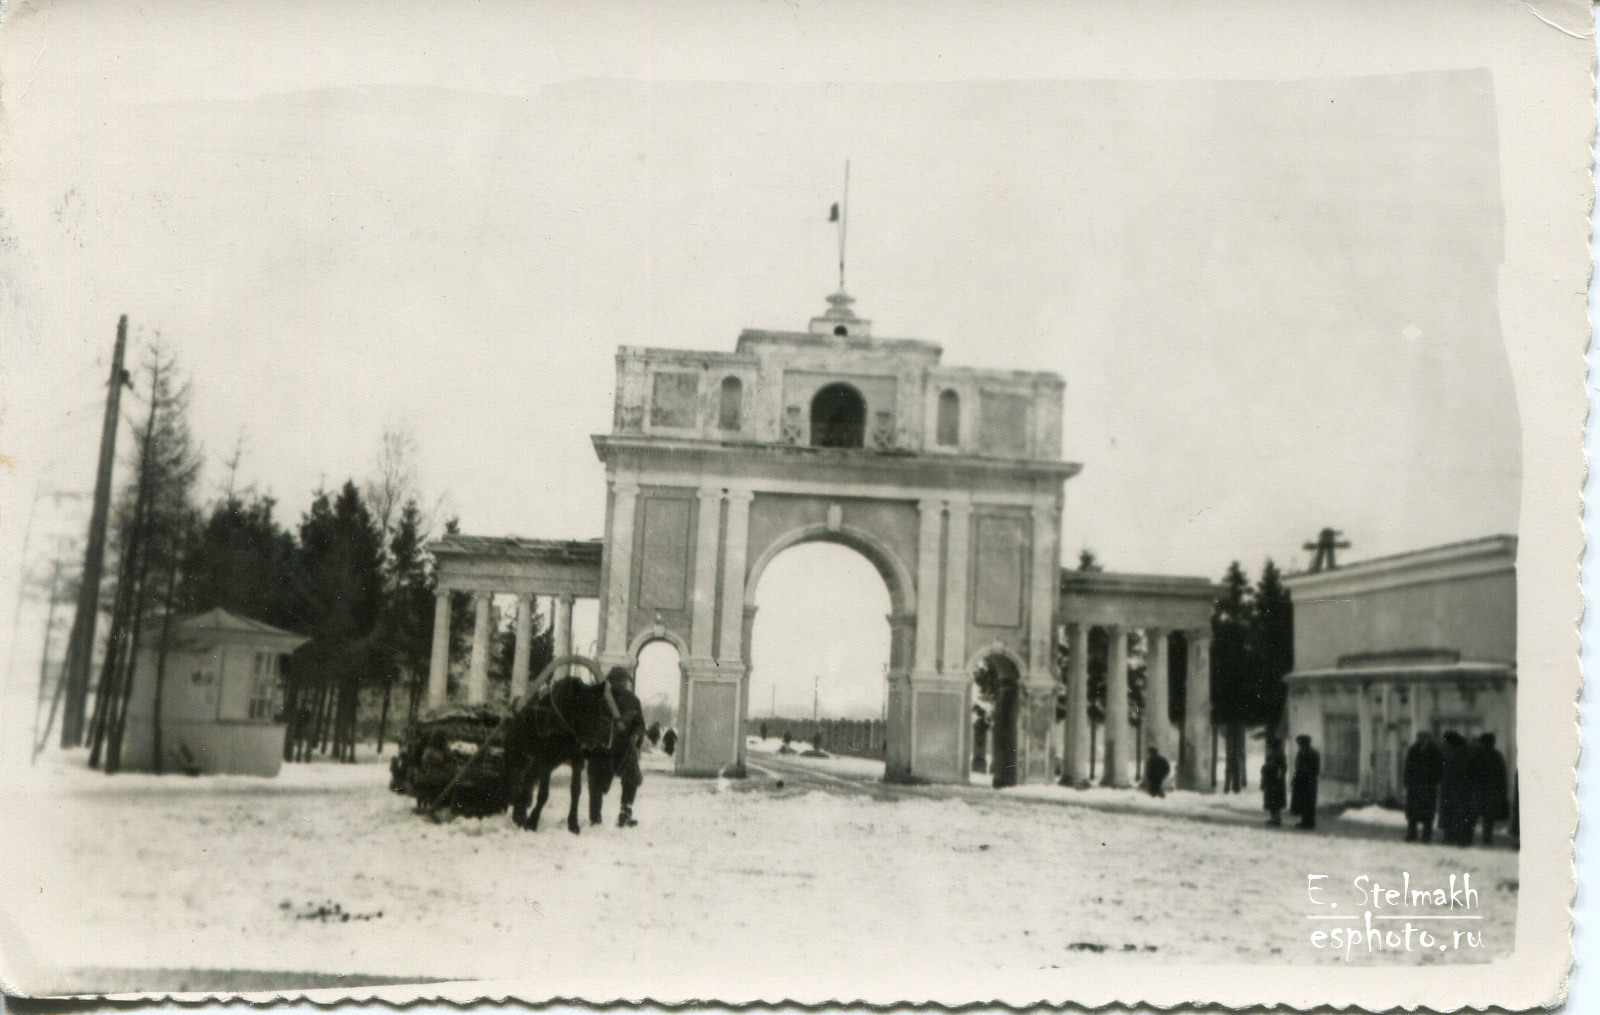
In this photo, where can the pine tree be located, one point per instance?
(1272, 644)
(340, 583)
(1232, 666)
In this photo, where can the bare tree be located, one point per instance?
(395, 480)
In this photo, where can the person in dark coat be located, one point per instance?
(620, 759)
(1303, 790)
(1274, 782)
(1156, 770)
(1455, 791)
(1424, 765)
(1491, 789)
(669, 741)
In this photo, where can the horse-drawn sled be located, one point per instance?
(476, 760)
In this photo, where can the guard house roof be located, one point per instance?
(219, 625)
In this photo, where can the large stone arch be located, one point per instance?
(897, 577)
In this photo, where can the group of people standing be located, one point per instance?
(1462, 784)
(1299, 795)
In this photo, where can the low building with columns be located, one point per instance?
(949, 480)
(1389, 647)
(1165, 610)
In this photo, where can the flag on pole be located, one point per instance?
(833, 215)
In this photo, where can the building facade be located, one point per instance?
(1425, 640)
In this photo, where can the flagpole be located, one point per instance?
(844, 221)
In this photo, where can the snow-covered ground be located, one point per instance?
(729, 887)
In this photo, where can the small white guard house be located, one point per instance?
(221, 690)
(1425, 640)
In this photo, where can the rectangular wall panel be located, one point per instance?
(664, 567)
(997, 587)
(939, 715)
(714, 725)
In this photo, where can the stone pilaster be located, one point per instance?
(957, 549)
(702, 632)
(619, 578)
(730, 638)
(926, 661)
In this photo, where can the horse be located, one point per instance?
(552, 730)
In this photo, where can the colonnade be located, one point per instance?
(477, 684)
(1189, 747)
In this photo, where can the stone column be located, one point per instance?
(955, 589)
(478, 671)
(702, 635)
(1075, 741)
(1157, 724)
(619, 576)
(730, 639)
(1194, 771)
(439, 662)
(1116, 729)
(561, 641)
(1364, 744)
(926, 659)
(519, 663)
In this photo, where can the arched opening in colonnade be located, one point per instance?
(819, 652)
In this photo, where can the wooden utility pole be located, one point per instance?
(80, 644)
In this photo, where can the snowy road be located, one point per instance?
(805, 890)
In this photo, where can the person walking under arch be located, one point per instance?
(1156, 770)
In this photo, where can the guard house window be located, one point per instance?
(838, 417)
(674, 398)
(264, 682)
(948, 431)
(728, 405)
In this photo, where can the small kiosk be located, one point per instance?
(221, 689)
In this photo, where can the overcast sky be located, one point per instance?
(1273, 301)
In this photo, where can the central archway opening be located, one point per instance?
(819, 660)
(838, 417)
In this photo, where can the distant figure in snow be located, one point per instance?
(1303, 790)
(669, 741)
(1156, 770)
(1274, 782)
(980, 739)
(786, 747)
(1491, 791)
(1455, 791)
(1424, 766)
(653, 733)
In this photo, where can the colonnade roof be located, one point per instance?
(512, 564)
(1137, 600)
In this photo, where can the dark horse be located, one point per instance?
(554, 729)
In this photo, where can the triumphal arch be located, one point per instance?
(948, 479)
